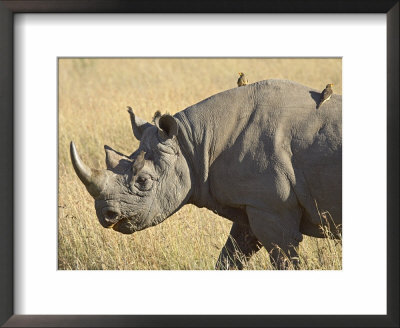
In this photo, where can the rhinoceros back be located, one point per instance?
(267, 143)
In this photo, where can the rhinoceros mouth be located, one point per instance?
(124, 226)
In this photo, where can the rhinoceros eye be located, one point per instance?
(143, 182)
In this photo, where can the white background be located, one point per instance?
(360, 288)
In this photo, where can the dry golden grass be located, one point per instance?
(93, 95)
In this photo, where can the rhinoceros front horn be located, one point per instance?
(93, 179)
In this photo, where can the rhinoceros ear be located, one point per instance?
(167, 126)
(138, 125)
(115, 161)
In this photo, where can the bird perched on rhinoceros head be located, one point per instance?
(260, 156)
(138, 164)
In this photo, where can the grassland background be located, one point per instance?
(93, 95)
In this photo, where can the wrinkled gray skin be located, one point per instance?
(261, 156)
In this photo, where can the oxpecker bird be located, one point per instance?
(242, 80)
(325, 94)
(139, 163)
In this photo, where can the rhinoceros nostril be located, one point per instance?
(110, 215)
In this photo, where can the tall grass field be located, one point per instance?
(93, 97)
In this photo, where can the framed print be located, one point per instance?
(69, 71)
(177, 79)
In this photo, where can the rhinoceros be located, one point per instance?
(262, 156)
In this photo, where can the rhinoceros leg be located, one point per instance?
(239, 247)
(279, 233)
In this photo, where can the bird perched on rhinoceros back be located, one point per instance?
(260, 156)
(242, 80)
(325, 94)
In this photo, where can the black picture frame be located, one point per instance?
(7, 11)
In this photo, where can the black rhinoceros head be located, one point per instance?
(141, 190)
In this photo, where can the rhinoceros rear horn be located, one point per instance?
(92, 179)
